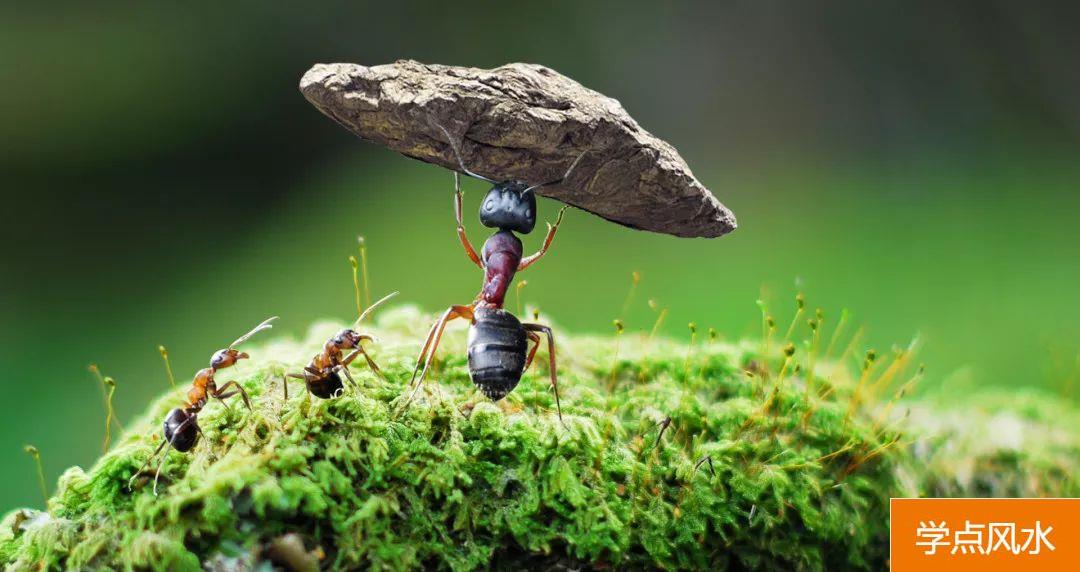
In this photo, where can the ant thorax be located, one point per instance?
(501, 254)
(203, 378)
(326, 358)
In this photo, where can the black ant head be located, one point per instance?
(181, 430)
(509, 206)
(225, 358)
(346, 339)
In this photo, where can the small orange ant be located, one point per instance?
(181, 426)
(321, 375)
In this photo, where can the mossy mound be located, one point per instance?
(758, 468)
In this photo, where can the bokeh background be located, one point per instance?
(164, 182)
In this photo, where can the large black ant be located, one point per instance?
(498, 342)
(321, 375)
(181, 426)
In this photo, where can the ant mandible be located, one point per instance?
(321, 375)
(181, 425)
(498, 342)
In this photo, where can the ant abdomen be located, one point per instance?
(326, 386)
(497, 351)
(181, 430)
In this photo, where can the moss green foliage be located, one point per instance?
(761, 465)
(995, 443)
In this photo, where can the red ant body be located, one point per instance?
(321, 375)
(181, 426)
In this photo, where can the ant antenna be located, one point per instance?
(265, 325)
(372, 307)
(560, 179)
(33, 452)
(461, 163)
(168, 368)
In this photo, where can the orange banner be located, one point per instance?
(985, 534)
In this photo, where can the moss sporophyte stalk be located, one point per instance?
(723, 456)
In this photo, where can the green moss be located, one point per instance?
(754, 470)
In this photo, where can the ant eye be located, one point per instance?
(489, 205)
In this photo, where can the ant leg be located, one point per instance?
(453, 313)
(285, 386)
(432, 343)
(146, 464)
(423, 350)
(532, 353)
(345, 369)
(165, 455)
(529, 260)
(371, 363)
(421, 359)
(222, 395)
(551, 356)
(360, 351)
(469, 250)
(161, 463)
(303, 378)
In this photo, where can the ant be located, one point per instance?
(321, 375)
(181, 425)
(498, 342)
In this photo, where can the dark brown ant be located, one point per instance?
(321, 375)
(181, 426)
(498, 342)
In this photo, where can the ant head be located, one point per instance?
(181, 430)
(225, 358)
(510, 205)
(346, 339)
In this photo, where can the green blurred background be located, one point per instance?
(165, 182)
